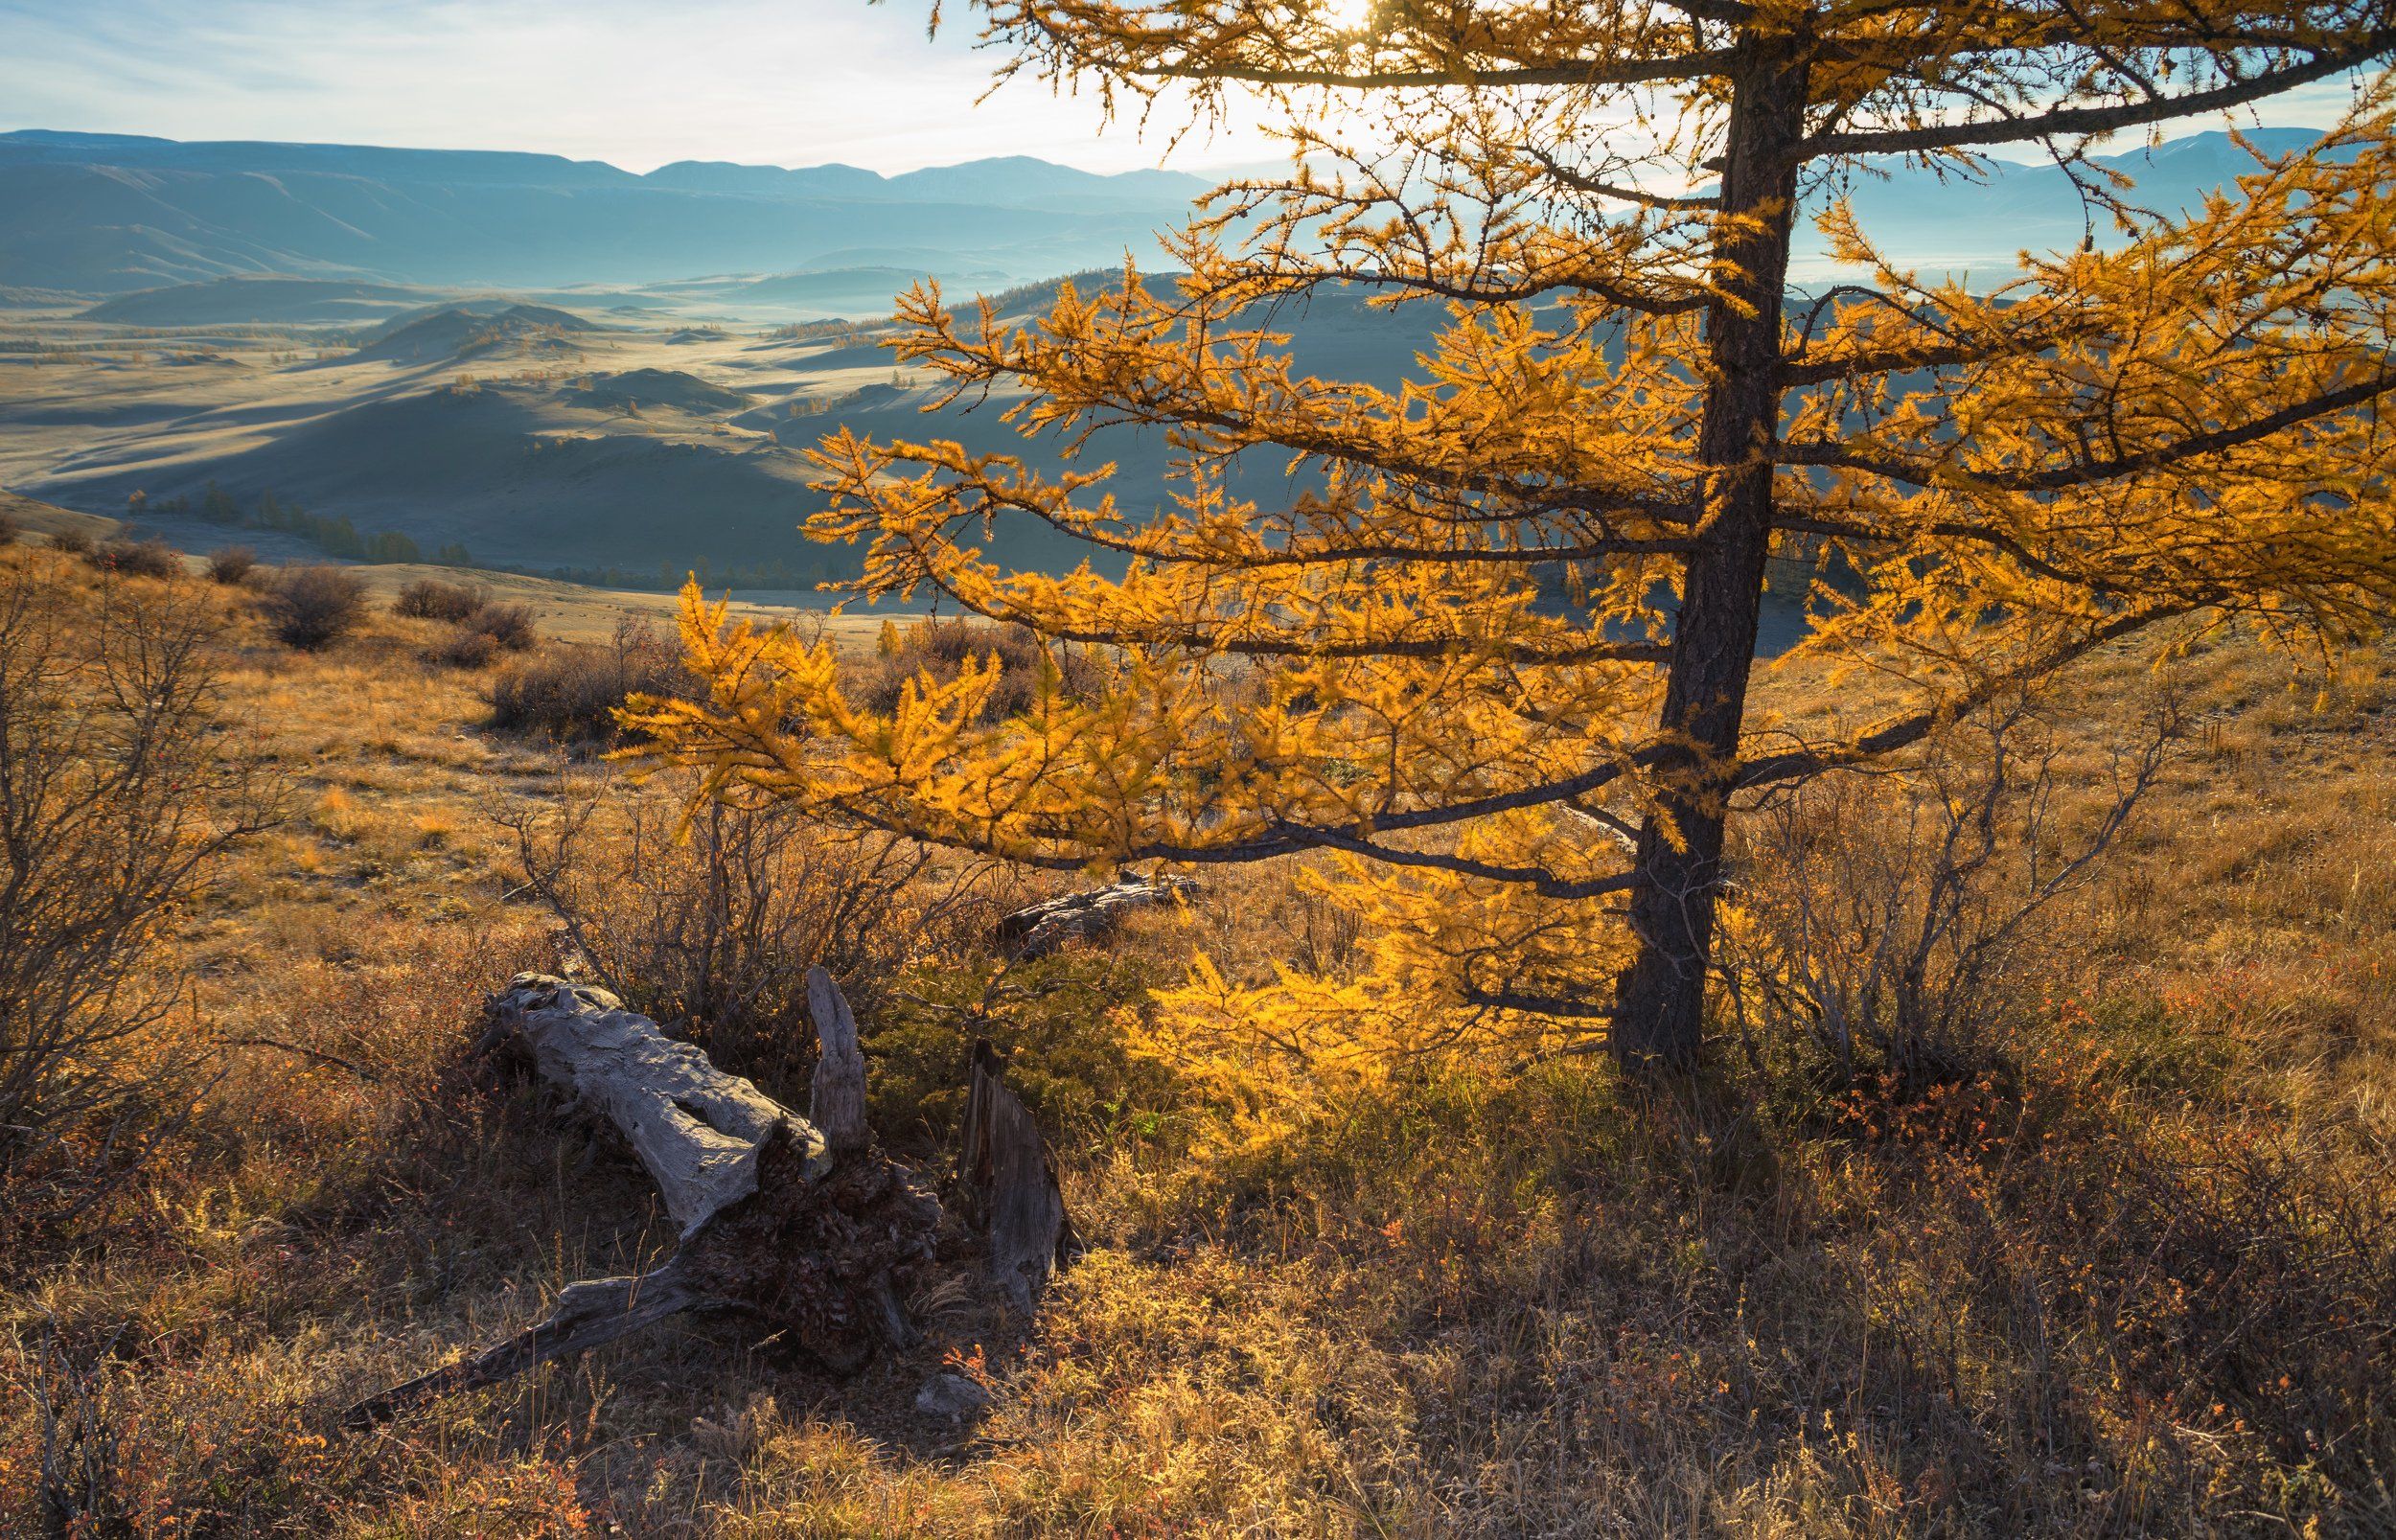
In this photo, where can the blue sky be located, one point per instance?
(773, 81)
(638, 82)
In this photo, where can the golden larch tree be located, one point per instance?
(1622, 407)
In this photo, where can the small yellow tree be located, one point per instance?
(1531, 799)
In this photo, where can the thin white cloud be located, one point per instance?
(772, 82)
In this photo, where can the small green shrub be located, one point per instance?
(1059, 1023)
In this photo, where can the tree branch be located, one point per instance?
(1581, 73)
(1839, 456)
(2081, 121)
(1909, 730)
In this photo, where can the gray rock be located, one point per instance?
(951, 1396)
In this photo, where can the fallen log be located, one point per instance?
(817, 1238)
(1040, 928)
(1007, 1182)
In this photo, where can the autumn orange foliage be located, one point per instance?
(1529, 797)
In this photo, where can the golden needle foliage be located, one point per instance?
(1622, 408)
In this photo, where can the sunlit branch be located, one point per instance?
(2074, 122)
(1579, 73)
(1203, 641)
(1277, 839)
(1903, 733)
(1596, 186)
(1922, 473)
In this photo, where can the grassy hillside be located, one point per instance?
(2129, 1270)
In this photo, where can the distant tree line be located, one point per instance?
(331, 533)
(667, 576)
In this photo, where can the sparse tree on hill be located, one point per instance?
(1530, 805)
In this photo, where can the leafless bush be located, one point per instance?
(232, 565)
(10, 531)
(72, 542)
(432, 599)
(941, 647)
(82, 1484)
(139, 559)
(508, 627)
(1885, 916)
(312, 607)
(463, 649)
(715, 929)
(570, 694)
(119, 791)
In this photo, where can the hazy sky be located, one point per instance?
(638, 82)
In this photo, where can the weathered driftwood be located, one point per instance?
(1009, 1185)
(776, 1220)
(1040, 928)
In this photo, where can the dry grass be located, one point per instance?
(2134, 1276)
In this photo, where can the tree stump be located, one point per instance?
(1009, 1187)
(836, 1097)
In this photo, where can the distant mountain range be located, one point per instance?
(97, 215)
(1976, 226)
(107, 214)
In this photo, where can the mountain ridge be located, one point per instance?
(101, 215)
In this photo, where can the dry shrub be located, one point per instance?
(940, 648)
(713, 929)
(571, 694)
(432, 599)
(114, 1453)
(508, 626)
(311, 606)
(232, 565)
(10, 531)
(120, 792)
(1884, 916)
(72, 542)
(139, 559)
(463, 648)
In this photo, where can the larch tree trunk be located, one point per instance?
(1660, 998)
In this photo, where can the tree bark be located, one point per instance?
(1660, 997)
